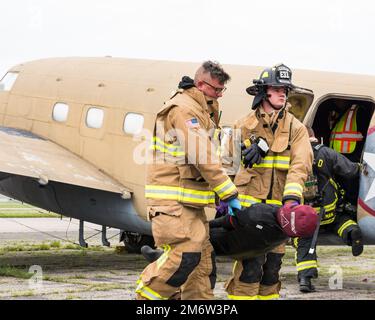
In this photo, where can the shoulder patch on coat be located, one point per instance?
(192, 123)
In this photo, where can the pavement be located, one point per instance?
(109, 273)
(50, 229)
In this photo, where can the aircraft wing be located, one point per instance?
(26, 154)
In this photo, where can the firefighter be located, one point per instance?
(184, 176)
(276, 159)
(328, 165)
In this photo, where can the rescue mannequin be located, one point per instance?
(255, 229)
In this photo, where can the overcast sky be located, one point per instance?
(334, 35)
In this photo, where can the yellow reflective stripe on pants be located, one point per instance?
(328, 221)
(307, 265)
(293, 188)
(329, 207)
(147, 292)
(164, 256)
(224, 189)
(233, 297)
(295, 243)
(274, 296)
(344, 226)
(179, 194)
(257, 297)
(247, 201)
(234, 266)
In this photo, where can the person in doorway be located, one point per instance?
(348, 138)
(328, 165)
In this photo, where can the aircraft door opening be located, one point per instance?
(329, 112)
(326, 118)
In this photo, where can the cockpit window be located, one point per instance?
(133, 123)
(94, 118)
(8, 80)
(60, 112)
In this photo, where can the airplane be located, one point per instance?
(69, 129)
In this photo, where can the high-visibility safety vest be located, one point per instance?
(344, 135)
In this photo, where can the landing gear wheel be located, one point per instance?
(135, 241)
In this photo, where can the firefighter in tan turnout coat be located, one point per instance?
(184, 176)
(276, 160)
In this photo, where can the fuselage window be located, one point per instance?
(133, 123)
(94, 118)
(8, 80)
(60, 112)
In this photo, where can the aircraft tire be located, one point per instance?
(134, 242)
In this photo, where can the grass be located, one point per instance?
(8, 271)
(46, 246)
(20, 248)
(11, 209)
(14, 204)
(28, 293)
(27, 214)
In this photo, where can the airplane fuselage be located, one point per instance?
(92, 108)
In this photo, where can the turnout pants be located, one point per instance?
(306, 263)
(256, 278)
(188, 261)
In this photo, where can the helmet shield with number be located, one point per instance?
(277, 76)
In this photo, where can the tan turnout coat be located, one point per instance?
(186, 169)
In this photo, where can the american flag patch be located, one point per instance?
(192, 123)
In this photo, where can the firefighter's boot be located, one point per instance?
(151, 254)
(305, 285)
(357, 242)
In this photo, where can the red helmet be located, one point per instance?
(297, 220)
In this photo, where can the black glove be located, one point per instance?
(254, 154)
